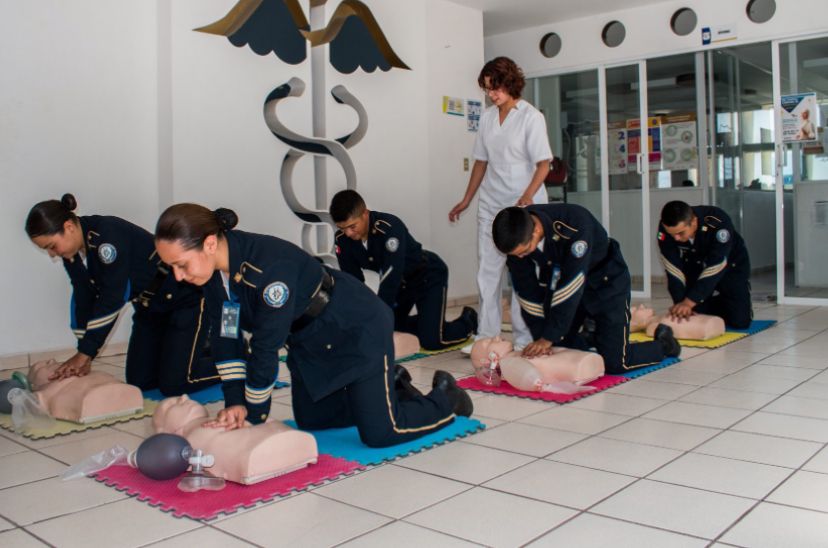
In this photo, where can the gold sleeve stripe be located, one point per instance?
(257, 395)
(385, 275)
(102, 321)
(673, 270)
(533, 309)
(713, 270)
(563, 294)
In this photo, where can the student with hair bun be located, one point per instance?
(110, 263)
(339, 334)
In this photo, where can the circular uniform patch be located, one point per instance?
(579, 249)
(392, 244)
(660, 236)
(723, 235)
(276, 294)
(107, 253)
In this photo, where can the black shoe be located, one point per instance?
(469, 315)
(402, 384)
(664, 335)
(461, 403)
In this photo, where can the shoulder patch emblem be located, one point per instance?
(276, 294)
(392, 244)
(723, 235)
(107, 253)
(579, 249)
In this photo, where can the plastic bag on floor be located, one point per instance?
(27, 414)
(97, 462)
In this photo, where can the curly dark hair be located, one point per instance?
(503, 73)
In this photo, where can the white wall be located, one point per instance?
(124, 105)
(648, 33)
(77, 114)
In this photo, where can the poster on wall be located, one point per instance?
(473, 110)
(679, 146)
(453, 106)
(800, 117)
(617, 144)
(653, 141)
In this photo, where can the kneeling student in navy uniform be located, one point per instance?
(409, 275)
(565, 269)
(707, 263)
(111, 262)
(339, 335)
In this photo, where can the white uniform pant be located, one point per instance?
(490, 269)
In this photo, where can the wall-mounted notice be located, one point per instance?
(800, 117)
(679, 146)
(634, 142)
(473, 110)
(453, 106)
(617, 144)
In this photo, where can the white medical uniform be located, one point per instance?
(511, 151)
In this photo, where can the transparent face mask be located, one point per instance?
(27, 414)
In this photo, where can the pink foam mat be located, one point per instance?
(208, 504)
(599, 384)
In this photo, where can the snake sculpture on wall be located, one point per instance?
(355, 41)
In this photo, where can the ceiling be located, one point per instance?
(501, 16)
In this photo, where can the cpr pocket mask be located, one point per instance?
(26, 411)
(488, 370)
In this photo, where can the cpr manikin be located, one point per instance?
(699, 327)
(564, 370)
(405, 344)
(244, 455)
(93, 397)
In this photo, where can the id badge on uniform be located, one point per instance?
(556, 277)
(230, 312)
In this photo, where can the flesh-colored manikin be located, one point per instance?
(93, 397)
(699, 327)
(405, 344)
(244, 455)
(563, 365)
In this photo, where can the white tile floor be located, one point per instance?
(727, 448)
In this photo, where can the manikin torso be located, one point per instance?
(245, 455)
(700, 327)
(93, 397)
(563, 365)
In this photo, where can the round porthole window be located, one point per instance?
(613, 33)
(761, 11)
(550, 45)
(683, 21)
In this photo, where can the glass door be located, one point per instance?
(801, 106)
(631, 140)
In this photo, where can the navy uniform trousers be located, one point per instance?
(606, 301)
(357, 326)
(428, 292)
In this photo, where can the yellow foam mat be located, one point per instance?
(727, 338)
(457, 346)
(65, 427)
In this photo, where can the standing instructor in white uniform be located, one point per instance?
(511, 161)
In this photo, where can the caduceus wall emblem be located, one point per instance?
(355, 40)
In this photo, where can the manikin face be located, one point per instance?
(499, 96)
(525, 249)
(65, 245)
(356, 228)
(682, 232)
(174, 413)
(195, 266)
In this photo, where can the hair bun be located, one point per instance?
(226, 218)
(69, 202)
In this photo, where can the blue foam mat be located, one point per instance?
(345, 442)
(205, 395)
(635, 373)
(755, 327)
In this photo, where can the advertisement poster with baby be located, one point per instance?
(800, 118)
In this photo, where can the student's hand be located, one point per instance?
(229, 418)
(540, 347)
(523, 201)
(78, 365)
(683, 310)
(455, 212)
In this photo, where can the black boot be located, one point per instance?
(469, 315)
(664, 335)
(461, 403)
(402, 384)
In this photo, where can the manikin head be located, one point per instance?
(516, 232)
(350, 214)
(502, 81)
(53, 226)
(679, 221)
(483, 350)
(190, 238)
(172, 414)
